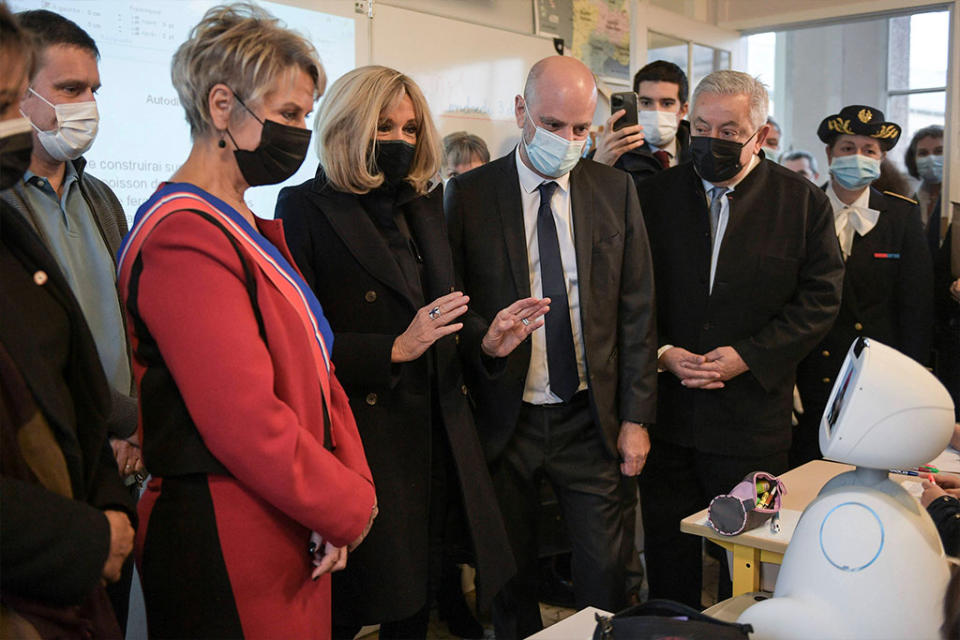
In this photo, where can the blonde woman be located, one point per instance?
(369, 235)
(260, 482)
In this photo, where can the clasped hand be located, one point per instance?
(707, 371)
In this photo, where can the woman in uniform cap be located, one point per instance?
(888, 284)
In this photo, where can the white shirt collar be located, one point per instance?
(529, 181)
(862, 201)
(847, 219)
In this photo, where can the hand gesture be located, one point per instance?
(613, 144)
(431, 323)
(634, 446)
(512, 325)
(128, 455)
(121, 544)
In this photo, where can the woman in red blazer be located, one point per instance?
(260, 481)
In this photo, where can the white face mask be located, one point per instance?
(553, 155)
(930, 168)
(659, 127)
(77, 125)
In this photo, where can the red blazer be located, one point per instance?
(256, 403)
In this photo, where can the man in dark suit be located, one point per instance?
(748, 280)
(661, 139)
(567, 403)
(888, 280)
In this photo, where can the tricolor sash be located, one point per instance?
(172, 197)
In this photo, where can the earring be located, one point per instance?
(222, 142)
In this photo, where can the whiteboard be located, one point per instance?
(143, 136)
(469, 73)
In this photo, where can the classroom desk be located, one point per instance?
(750, 548)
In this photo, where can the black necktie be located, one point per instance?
(561, 357)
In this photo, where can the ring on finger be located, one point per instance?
(434, 313)
(525, 321)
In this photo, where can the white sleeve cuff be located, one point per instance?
(660, 352)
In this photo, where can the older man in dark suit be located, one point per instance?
(748, 280)
(567, 403)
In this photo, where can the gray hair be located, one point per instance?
(800, 155)
(732, 83)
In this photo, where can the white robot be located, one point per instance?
(865, 560)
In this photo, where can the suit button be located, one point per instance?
(456, 339)
(858, 326)
(825, 381)
(371, 399)
(370, 296)
(463, 389)
(825, 353)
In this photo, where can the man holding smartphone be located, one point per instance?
(661, 137)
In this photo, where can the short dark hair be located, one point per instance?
(49, 29)
(13, 39)
(800, 154)
(663, 71)
(910, 155)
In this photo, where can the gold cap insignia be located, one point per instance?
(865, 115)
(840, 125)
(888, 131)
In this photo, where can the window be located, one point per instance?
(917, 73)
(662, 47)
(762, 61)
(696, 60)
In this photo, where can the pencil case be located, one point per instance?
(751, 503)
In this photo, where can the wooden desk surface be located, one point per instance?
(803, 484)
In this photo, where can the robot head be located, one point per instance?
(885, 411)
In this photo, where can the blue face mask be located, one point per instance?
(553, 155)
(930, 169)
(854, 172)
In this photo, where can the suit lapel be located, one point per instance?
(363, 240)
(511, 221)
(581, 197)
(428, 229)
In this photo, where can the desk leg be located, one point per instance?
(746, 569)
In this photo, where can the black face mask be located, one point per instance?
(280, 153)
(393, 158)
(15, 153)
(715, 159)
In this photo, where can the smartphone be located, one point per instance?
(624, 100)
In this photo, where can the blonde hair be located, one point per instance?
(346, 127)
(243, 47)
